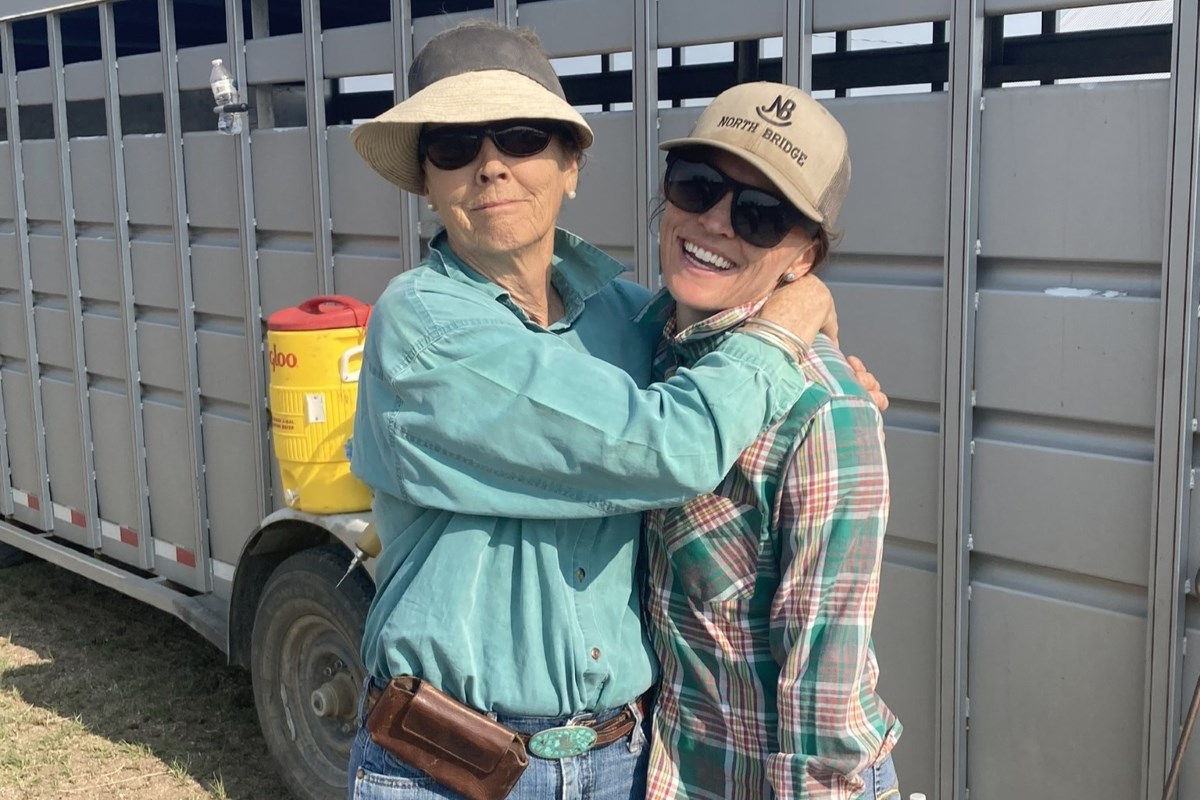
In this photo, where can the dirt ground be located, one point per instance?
(104, 697)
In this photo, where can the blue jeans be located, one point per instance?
(615, 772)
(882, 783)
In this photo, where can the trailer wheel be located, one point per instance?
(306, 669)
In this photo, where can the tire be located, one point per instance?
(307, 633)
(10, 556)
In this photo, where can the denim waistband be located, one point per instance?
(532, 724)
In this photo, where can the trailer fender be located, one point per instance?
(280, 535)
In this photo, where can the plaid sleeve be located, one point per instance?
(832, 508)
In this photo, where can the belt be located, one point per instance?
(608, 731)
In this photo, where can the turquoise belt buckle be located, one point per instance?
(563, 742)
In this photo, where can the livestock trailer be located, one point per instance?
(1018, 267)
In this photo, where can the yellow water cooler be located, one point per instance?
(314, 351)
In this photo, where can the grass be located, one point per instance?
(102, 696)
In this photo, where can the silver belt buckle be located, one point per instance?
(562, 742)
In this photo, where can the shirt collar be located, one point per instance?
(684, 348)
(580, 270)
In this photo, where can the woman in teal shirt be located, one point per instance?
(509, 429)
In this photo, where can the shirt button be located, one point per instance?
(580, 574)
(595, 654)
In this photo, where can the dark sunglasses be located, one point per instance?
(758, 216)
(454, 146)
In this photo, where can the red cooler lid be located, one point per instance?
(322, 313)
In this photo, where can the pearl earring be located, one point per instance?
(791, 276)
(571, 195)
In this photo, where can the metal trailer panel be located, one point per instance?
(30, 490)
(366, 276)
(679, 24)
(12, 334)
(104, 346)
(86, 530)
(140, 74)
(42, 197)
(83, 81)
(908, 372)
(360, 50)
(362, 202)
(251, 313)
(234, 508)
(1075, 172)
(146, 182)
(182, 557)
(218, 264)
(1083, 358)
(839, 15)
(1056, 699)
(606, 211)
(907, 676)
(154, 286)
(33, 87)
(1189, 784)
(25, 446)
(578, 27)
(116, 482)
(425, 28)
(91, 181)
(275, 59)
(48, 263)
(7, 212)
(100, 269)
(897, 199)
(6, 496)
(211, 193)
(912, 454)
(1081, 513)
(224, 370)
(286, 277)
(993, 7)
(283, 194)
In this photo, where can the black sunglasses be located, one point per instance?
(758, 216)
(454, 146)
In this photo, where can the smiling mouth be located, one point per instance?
(705, 259)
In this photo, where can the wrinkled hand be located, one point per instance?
(804, 307)
(868, 382)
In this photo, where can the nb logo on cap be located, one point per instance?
(779, 112)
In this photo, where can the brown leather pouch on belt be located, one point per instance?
(457, 746)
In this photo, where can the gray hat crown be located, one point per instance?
(475, 48)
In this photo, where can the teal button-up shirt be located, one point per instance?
(510, 463)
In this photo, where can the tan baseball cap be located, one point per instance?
(471, 73)
(788, 136)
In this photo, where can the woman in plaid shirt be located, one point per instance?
(762, 593)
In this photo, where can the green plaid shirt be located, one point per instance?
(761, 597)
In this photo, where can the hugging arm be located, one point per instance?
(486, 417)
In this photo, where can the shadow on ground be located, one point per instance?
(133, 674)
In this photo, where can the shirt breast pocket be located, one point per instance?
(713, 544)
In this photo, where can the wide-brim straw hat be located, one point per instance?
(785, 134)
(468, 75)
